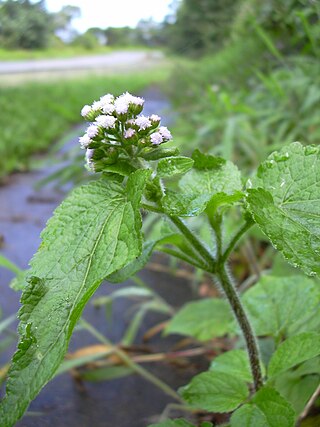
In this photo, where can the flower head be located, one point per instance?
(84, 141)
(92, 131)
(118, 130)
(156, 138)
(106, 121)
(164, 131)
(86, 110)
(143, 122)
(129, 133)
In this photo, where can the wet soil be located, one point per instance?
(129, 401)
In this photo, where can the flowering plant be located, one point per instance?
(119, 132)
(96, 234)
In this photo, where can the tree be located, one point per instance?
(200, 25)
(24, 25)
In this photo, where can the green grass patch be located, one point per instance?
(63, 52)
(34, 115)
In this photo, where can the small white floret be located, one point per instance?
(155, 118)
(106, 99)
(156, 138)
(143, 122)
(97, 105)
(129, 133)
(92, 131)
(106, 122)
(86, 110)
(164, 131)
(84, 141)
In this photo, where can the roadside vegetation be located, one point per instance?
(34, 115)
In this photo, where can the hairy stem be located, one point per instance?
(240, 314)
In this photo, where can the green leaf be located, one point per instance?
(203, 320)
(171, 166)
(249, 416)
(173, 423)
(209, 176)
(293, 351)
(94, 232)
(134, 266)
(284, 200)
(297, 390)
(121, 167)
(274, 305)
(215, 392)
(267, 409)
(233, 362)
(206, 161)
(160, 153)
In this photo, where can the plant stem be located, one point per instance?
(235, 240)
(206, 255)
(240, 314)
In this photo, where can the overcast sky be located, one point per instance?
(112, 13)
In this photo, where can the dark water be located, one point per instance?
(130, 401)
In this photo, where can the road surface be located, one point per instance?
(119, 61)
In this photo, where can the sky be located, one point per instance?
(112, 13)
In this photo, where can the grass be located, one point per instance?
(63, 51)
(34, 115)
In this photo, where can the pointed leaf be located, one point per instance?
(233, 362)
(215, 392)
(94, 232)
(284, 199)
(267, 409)
(203, 320)
(171, 166)
(209, 176)
(293, 351)
(249, 416)
(274, 305)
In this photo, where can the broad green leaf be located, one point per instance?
(293, 351)
(121, 167)
(233, 362)
(215, 392)
(274, 305)
(278, 411)
(267, 409)
(249, 416)
(203, 320)
(171, 166)
(204, 161)
(94, 232)
(209, 176)
(173, 423)
(284, 199)
(134, 266)
(296, 389)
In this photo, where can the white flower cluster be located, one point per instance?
(117, 127)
